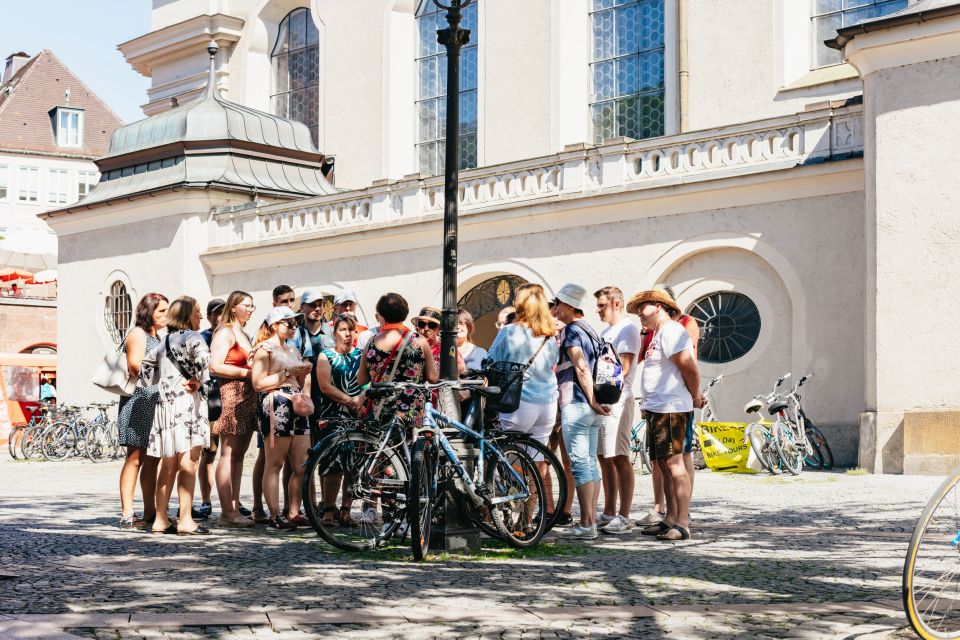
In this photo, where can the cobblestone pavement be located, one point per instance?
(817, 556)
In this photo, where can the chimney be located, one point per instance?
(14, 62)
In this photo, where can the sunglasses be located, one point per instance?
(290, 322)
(427, 325)
(553, 304)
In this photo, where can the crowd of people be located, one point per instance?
(204, 393)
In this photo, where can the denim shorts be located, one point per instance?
(581, 431)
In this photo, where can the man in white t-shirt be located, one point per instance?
(670, 384)
(614, 446)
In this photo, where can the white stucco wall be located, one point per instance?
(13, 212)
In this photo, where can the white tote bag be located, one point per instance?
(113, 376)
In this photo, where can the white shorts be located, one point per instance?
(615, 428)
(532, 418)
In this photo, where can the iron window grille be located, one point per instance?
(729, 326)
(296, 71)
(118, 312)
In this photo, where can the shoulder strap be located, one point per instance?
(537, 352)
(176, 363)
(396, 353)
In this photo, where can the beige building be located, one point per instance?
(776, 188)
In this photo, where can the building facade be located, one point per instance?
(631, 143)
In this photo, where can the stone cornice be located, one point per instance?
(905, 44)
(174, 41)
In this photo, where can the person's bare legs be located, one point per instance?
(611, 485)
(287, 475)
(128, 479)
(691, 472)
(258, 482)
(568, 472)
(587, 494)
(677, 486)
(625, 482)
(206, 474)
(186, 483)
(149, 467)
(232, 448)
(236, 469)
(168, 473)
(296, 457)
(659, 495)
(273, 464)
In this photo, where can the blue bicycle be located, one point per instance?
(502, 494)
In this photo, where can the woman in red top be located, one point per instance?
(230, 349)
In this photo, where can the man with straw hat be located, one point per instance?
(670, 384)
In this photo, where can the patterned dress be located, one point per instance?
(407, 406)
(180, 423)
(343, 374)
(136, 411)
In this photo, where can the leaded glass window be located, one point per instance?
(118, 312)
(627, 69)
(431, 103)
(296, 71)
(729, 326)
(830, 15)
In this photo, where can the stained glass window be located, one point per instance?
(296, 71)
(830, 15)
(729, 326)
(431, 102)
(627, 69)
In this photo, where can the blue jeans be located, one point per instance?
(581, 428)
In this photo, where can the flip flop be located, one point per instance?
(669, 537)
(199, 531)
(171, 528)
(655, 529)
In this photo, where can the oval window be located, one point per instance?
(729, 326)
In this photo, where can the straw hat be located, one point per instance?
(654, 295)
(429, 313)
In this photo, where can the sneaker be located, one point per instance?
(654, 517)
(199, 513)
(370, 516)
(565, 520)
(243, 511)
(281, 523)
(619, 525)
(580, 532)
(603, 519)
(301, 520)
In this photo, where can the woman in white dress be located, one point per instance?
(179, 367)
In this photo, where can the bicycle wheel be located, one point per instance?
(931, 569)
(762, 444)
(638, 447)
(791, 454)
(372, 478)
(819, 440)
(98, 445)
(814, 458)
(519, 521)
(30, 443)
(56, 441)
(13, 440)
(552, 475)
(423, 484)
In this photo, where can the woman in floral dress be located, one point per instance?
(178, 368)
(341, 396)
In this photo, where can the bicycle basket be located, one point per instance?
(509, 377)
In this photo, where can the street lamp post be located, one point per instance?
(458, 533)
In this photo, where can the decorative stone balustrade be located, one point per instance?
(580, 171)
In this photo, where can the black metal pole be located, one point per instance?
(453, 38)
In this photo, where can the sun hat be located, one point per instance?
(653, 295)
(346, 295)
(215, 305)
(310, 295)
(429, 313)
(280, 313)
(573, 295)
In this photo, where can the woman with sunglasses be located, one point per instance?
(278, 373)
(341, 396)
(229, 353)
(428, 326)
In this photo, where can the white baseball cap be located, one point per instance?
(346, 295)
(310, 295)
(280, 313)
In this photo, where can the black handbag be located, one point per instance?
(509, 377)
(211, 389)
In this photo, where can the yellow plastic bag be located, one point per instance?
(726, 448)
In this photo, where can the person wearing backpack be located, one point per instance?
(670, 384)
(581, 413)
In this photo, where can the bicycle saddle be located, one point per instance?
(753, 406)
(776, 407)
(486, 391)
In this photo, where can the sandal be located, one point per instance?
(655, 529)
(668, 535)
(199, 531)
(171, 528)
(328, 518)
(345, 519)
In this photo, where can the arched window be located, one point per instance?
(296, 71)
(729, 326)
(627, 69)
(118, 312)
(431, 104)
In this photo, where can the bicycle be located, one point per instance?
(761, 435)
(505, 485)
(102, 440)
(819, 454)
(638, 442)
(931, 569)
(37, 414)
